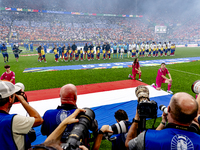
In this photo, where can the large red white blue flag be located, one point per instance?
(103, 98)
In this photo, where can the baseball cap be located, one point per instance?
(21, 85)
(7, 89)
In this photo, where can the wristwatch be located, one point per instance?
(164, 123)
(137, 121)
(100, 132)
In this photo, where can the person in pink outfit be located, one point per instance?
(8, 75)
(161, 78)
(135, 70)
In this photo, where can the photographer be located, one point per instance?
(53, 140)
(182, 110)
(16, 52)
(14, 128)
(52, 118)
(119, 129)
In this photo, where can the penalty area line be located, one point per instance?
(185, 72)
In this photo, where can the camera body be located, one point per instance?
(22, 94)
(80, 130)
(147, 109)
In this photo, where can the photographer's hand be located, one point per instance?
(72, 118)
(57, 133)
(97, 142)
(83, 147)
(30, 110)
(163, 122)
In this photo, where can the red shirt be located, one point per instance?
(8, 76)
(135, 66)
(160, 73)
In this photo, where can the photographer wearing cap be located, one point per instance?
(52, 118)
(14, 128)
(177, 134)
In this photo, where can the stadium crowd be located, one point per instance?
(23, 27)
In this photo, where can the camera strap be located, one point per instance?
(191, 128)
(1, 111)
(67, 107)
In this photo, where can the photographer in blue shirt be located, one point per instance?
(179, 133)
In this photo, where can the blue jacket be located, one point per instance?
(6, 136)
(52, 118)
(171, 138)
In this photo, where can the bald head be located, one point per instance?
(68, 94)
(183, 108)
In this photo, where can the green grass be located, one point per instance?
(183, 74)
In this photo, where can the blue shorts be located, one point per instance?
(56, 56)
(5, 55)
(43, 56)
(16, 55)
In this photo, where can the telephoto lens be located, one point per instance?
(196, 87)
(80, 130)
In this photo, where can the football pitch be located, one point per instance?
(183, 74)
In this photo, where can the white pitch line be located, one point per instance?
(184, 72)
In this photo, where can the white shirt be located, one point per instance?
(147, 46)
(159, 46)
(21, 125)
(130, 47)
(138, 47)
(169, 45)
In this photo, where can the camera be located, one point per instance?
(196, 87)
(22, 94)
(117, 128)
(163, 108)
(80, 130)
(146, 108)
